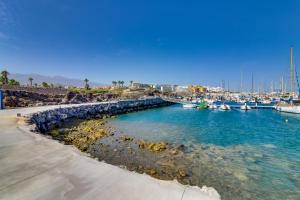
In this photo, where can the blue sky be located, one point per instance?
(153, 41)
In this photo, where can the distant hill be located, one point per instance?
(56, 80)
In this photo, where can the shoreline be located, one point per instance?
(204, 193)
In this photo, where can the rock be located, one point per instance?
(151, 172)
(182, 173)
(125, 138)
(151, 146)
(174, 152)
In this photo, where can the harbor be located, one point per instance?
(149, 100)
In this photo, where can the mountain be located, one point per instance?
(56, 80)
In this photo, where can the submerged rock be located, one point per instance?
(152, 146)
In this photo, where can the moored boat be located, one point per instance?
(212, 106)
(292, 107)
(189, 105)
(225, 107)
(201, 106)
(245, 107)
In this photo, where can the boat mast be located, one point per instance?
(241, 81)
(292, 70)
(252, 85)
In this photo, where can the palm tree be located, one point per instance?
(86, 83)
(122, 83)
(5, 74)
(114, 83)
(119, 83)
(30, 79)
(131, 82)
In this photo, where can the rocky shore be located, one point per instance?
(40, 97)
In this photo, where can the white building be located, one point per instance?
(182, 88)
(215, 89)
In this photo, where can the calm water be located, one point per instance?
(259, 148)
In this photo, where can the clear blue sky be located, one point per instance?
(154, 41)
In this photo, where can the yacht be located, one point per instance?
(292, 107)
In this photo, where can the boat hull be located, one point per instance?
(289, 109)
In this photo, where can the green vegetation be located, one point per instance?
(45, 85)
(13, 82)
(4, 77)
(4, 80)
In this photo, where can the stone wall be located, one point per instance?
(47, 120)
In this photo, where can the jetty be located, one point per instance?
(33, 166)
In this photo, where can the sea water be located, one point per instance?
(256, 153)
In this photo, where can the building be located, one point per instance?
(215, 89)
(197, 89)
(167, 88)
(140, 86)
(182, 88)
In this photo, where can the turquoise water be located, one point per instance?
(260, 149)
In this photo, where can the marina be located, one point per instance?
(255, 153)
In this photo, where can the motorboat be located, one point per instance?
(266, 101)
(201, 106)
(292, 107)
(225, 107)
(245, 107)
(212, 106)
(241, 101)
(189, 105)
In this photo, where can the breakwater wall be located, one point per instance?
(49, 119)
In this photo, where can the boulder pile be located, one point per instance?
(47, 120)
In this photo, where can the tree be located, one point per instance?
(30, 79)
(114, 83)
(131, 83)
(122, 83)
(13, 82)
(86, 84)
(45, 85)
(4, 78)
(119, 83)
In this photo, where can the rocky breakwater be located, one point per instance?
(47, 120)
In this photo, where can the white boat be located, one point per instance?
(289, 108)
(241, 101)
(245, 107)
(209, 101)
(189, 105)
(212, 106)
(225, 107)
(266, 101)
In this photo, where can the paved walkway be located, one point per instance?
(35, 167)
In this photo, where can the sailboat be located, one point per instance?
(293, 106)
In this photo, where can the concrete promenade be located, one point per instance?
(35, 167)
